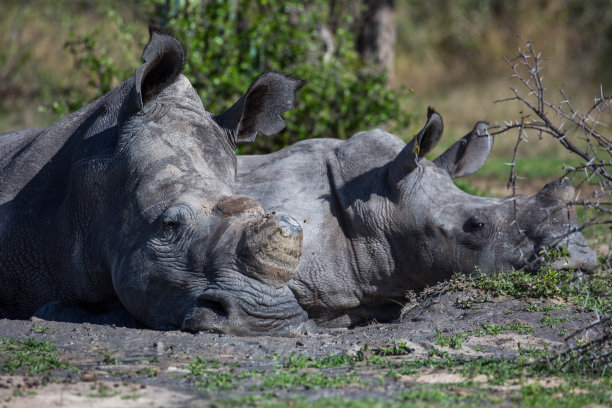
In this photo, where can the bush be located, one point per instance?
(229, 43)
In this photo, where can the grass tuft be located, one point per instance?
(31, 355)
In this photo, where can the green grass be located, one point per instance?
(298, 361)
(30, 356)
(572, 393)
(304, 379)
(394, 349)
(108, 358)
(392, 362)
(492, 329)
(148, 372)
(565, 395)
(547, 283)
(103, 390)
(455, 342)
(540, 167)
(469, 188)
(551, 321)
(545, 308)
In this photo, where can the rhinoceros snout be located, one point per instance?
(271, 250)
(580, 255)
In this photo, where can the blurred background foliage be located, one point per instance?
(229, 43)
(57, 56)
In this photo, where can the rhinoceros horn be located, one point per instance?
(468, 154)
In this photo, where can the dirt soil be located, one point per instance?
(122, 367)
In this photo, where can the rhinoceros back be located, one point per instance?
(46, 153)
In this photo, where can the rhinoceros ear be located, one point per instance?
(258, 111)
(163, 62)
(468, 154)
(422, 143)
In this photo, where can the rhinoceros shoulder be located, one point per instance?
(47, 152)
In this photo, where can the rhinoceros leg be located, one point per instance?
(114, 314)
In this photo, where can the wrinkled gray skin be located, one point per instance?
(379, 220)
(125, 210)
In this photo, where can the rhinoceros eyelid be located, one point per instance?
(478, 224)
(176, 215)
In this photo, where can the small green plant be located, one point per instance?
(454, 342)
(547, 283)
(492, 329)
(551, 321)
(551, 255)
(31, 355)
(108, 358)
(296, 378)
(303, 361)
(201, 366)
(563, 333)
(217, 381)
(148, 372)
(395, 349)
(39, 329)
(103, 390)
(211, 374)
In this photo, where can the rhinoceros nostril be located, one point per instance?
(209, 314)
(214, 306)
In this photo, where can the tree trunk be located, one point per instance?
(376, 41)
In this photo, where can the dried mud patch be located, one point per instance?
(121, 367)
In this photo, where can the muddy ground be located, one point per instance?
(121, 367)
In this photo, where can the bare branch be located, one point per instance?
(584, 135)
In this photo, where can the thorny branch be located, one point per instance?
(582, 134)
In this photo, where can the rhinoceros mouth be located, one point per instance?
(574, 254)
(246, 313)
(207, 315)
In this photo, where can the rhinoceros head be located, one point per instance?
(441, 230)
(183, 250)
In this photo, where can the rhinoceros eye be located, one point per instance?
(172, 219)
(477, 226)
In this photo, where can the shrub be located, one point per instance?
(229, 43)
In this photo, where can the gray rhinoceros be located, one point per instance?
(379, 219)
(129, 204)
